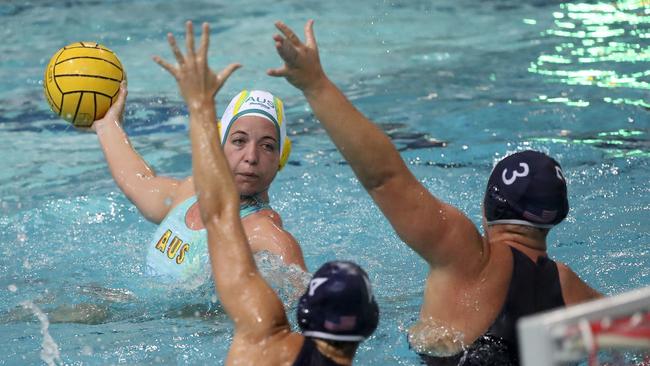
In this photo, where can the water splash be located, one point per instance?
(50, 350)
(431, 337)
(288, 281)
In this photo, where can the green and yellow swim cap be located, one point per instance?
(258, 103)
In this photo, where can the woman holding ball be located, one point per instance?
(254, 141)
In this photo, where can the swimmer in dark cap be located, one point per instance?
(338, 309)
(478, 286)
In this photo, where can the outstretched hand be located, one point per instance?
(115, 113)
(197, 82)
(302, 66)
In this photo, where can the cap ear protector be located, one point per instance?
(286, 150)
(496, 206)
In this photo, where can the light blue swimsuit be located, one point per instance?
(178, 255)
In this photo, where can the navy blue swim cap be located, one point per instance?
(338, 305)
(526, 188)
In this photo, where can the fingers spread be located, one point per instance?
(175, 50)
(205, 41)
(310, 40)
(171, 69)
(279, 72)
(287, 51)
(189, 38)
(291, 36)
(227, 71)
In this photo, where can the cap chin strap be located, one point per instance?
(333, 337)
(519, 222)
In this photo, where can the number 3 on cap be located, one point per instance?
(515, 174)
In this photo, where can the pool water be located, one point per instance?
(456, 84)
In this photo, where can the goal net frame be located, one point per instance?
(544, 339)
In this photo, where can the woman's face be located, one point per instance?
(252, 149)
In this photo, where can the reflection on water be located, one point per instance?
(597, 42)
(107, 294)
(616, 144)
(635, 102)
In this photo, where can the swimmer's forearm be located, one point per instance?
(216, 190)
(405, 202)
(124, 163)
(152, 195)
(236, 277)
(369, 151)
(213, 180)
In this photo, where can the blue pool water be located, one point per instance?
(486, 78)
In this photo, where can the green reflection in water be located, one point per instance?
(636, 102)
(621, 143)
(563, 100)
(602, 45)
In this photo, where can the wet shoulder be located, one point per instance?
(184, 191)
(266, 215)
(574, 289)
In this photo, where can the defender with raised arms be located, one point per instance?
(478, 285)
(337, 310)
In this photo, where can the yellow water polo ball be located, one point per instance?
(81, 82)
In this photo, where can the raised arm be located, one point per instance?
(151, 194)
(429, 226)
(237, 279)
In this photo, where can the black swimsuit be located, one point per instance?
(534, 287)
(309, 355)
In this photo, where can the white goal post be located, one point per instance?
(565, 335)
